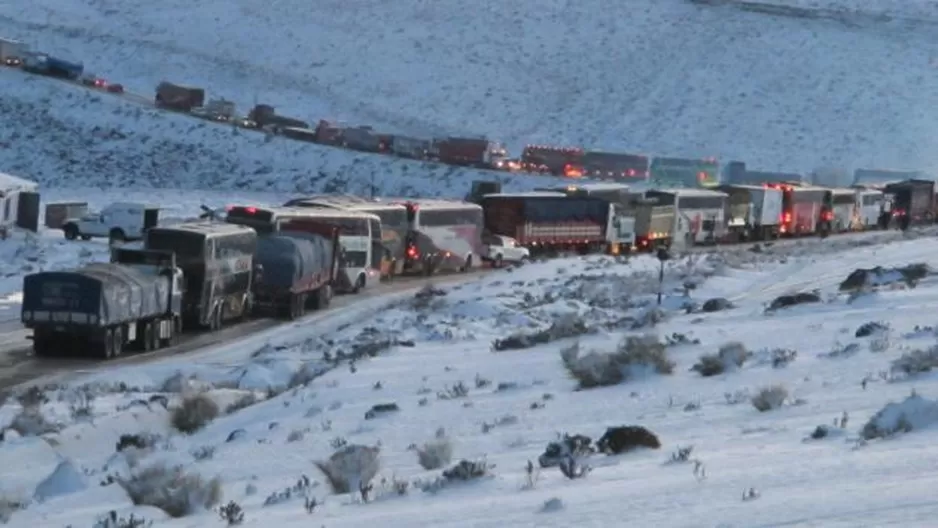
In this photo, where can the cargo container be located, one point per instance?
(293, 272)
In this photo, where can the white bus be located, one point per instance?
(443, 235)
(359, 236)
(699, 214)
(394, 224)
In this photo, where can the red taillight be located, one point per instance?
(787, 218)
(631, 173)
(250, 210)
(701, 176)
(828, 216)
(412, 252)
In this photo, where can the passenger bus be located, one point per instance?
(359, 236)
(699, 214)
(869, 208)
(394, 225)
(839, 210)
(217, 262)
(443, 235)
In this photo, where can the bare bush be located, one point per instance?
(112, 520)
(770, 398)
(172, 490)
(31, 422)
(194, 413)
(634, 356)
(730, 356)
(436, 453)
(563, 327)
(916, 362)
(243, 402)
(351, 468)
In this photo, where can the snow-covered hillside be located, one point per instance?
(656, 76)
(67, 137)
(486, 372)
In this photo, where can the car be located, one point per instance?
(500, 249)
(115, 88)
(13, 61)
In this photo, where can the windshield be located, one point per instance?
(355, 259)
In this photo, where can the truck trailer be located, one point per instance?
(548, 222)
(102, 309)
(293, 273)
(754, 212)
(44, 64)
(180, 98)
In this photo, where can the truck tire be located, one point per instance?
(118, 346)
(359, 284)
(106, 346)
(497, 262)
(302, 303)
(215, 322)
(467, 266)
(70, 231)
(155, 335)
(116, 236)
(146, 340)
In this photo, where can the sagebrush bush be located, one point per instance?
(634, 356)
(916, 362)
(172, 490)
(770, 398)
(436, 453)
(729, 356)
(31, 422)
(351, 468)
(194, 413)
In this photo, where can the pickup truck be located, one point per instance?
(118, 222)
(499, 249)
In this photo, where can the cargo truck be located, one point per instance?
(551, 222)
(180, 98)
(470, 152)
(294, 272)
(754, 212)
(102, 309)
(12, 52)
(912, 201)
(44, 64)
(265, 116)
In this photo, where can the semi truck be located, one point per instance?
(180, 98)
(12, 52)
(471, 152)
(103, 309)
(754, 211)
(45, 64)
(265, 115)
(293, 273)
(550, 222)
(912, 201)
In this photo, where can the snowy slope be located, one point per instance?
(655, 76)
(504, 407)
(65, 137)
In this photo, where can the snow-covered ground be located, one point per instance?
(656, 76)
(66, 137)
(293, 397)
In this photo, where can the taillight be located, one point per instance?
(828, 216)
(412, 252)
(787, 218)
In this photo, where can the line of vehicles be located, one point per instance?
(480, 152)
(284, 260)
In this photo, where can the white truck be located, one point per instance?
(12, 51)
(754, 212)
(500, 249)
(118, 222)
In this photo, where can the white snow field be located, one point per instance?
(66, 137)
(287, 398)
(661, 77)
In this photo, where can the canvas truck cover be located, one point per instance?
(290, 259)
(112, 292)
(509, 215)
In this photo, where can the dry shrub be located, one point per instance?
(351, 468)
(436, 453)
(730, 356)
(916, 362)
(194, 413)
(634, 356)
(770, 398)
(172, 490)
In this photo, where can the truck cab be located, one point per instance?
(117, 222)
(620, 231)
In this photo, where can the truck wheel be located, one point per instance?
(301, 304)
(70, 231)
(118, 346)
(147, 337)
(154, 335)
(116, 236)
(215, 324)
(467, 266)
(497, 263)
(323, 297)
(107, 344)
(359, 284)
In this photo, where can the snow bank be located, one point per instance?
(912, 414)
